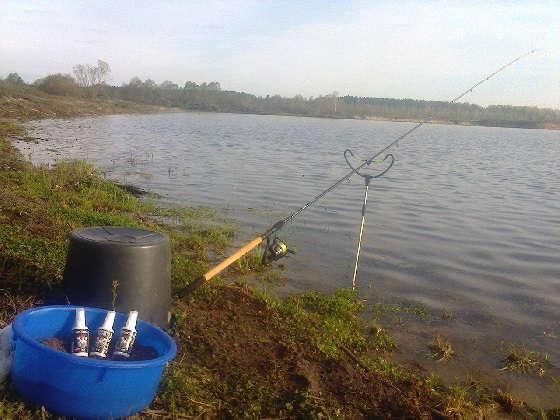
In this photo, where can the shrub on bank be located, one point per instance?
(58, 84)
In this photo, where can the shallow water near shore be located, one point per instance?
(465, 225)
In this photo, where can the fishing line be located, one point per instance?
(272, 230)
(278, 225)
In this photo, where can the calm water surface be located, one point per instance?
(467, 221)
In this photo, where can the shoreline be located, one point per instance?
(493, 124)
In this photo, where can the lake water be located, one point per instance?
(467, 221)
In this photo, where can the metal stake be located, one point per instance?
(367, 178)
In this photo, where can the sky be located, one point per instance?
(431, 49)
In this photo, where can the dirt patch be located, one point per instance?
(233, 334)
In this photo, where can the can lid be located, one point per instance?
(109, 320)
(131, 321)
(80, 322)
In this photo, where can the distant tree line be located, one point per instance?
(210, 97)
(92, 81)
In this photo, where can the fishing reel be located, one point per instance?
(275, 250)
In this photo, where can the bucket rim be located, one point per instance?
(19, 333)
(78, 234)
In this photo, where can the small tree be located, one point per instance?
(102, 73)
(92, 77)
(82, 75)
(15, 79)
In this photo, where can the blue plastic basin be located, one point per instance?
(78, 386)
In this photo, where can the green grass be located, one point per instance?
(330, 321)
(458, 401)
(414, 310)
(381, 340)
(464, 399)
(250, 263)
(179, 215)
(8, 128)
(510, 404)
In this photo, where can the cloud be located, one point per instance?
(416, 50)
(429, 49)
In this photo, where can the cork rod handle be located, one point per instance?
(220, 267)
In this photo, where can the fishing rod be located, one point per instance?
(278, 248)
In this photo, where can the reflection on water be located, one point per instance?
(467, 220)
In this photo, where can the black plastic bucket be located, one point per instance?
(125, 266)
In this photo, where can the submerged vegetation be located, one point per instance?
(441, 349)
(520, 359)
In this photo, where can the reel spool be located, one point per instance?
(275, 250)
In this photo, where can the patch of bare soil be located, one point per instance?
(235, 332)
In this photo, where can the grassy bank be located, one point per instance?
(241, 353)
(22, 102)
